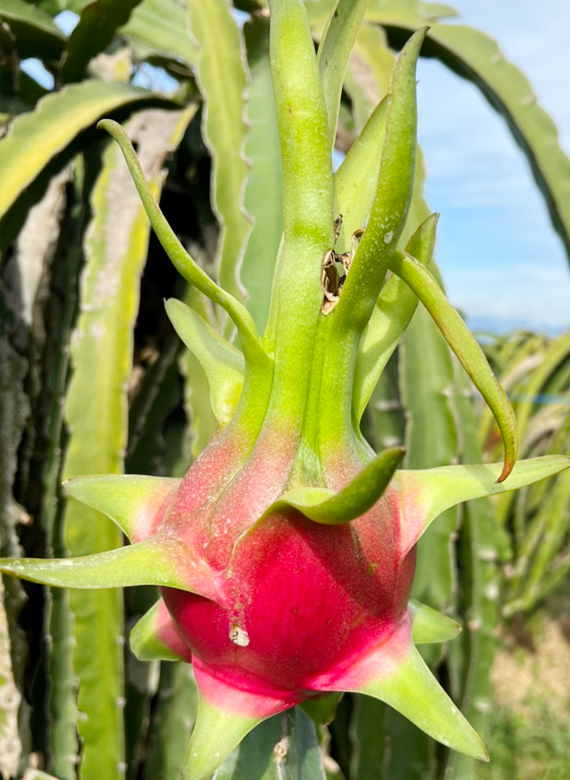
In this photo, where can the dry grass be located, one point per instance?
(530, 722)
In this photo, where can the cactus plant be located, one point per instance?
(285, 556)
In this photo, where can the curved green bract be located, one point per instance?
(435, 490)
(127, 499)
(324, 506)
(520, 360)
(466, 348)
(341, 335)
(221, 361)
(35, 138)
(216, 733)
(411, 689)
(145, 642)
(152, 562)
(256, 358)
(393, 195)
(393, 313)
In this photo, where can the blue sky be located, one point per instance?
(502, 263)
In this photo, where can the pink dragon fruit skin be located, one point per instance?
(295, 600)
(290, 599)
(286, 555)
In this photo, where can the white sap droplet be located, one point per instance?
(238, 635)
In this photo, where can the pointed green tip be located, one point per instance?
(411, 689)
(146, 642)
(152, 562)
(432, 491)
(324, 506)
(215, 735)
(422, 242)
(110, 126)
(130, 500)
(429, 626)
(508, 466)
(415, 42)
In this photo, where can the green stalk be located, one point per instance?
(258, 366)
(184, 264)
(307, 207)
(367, 272)
(393, 196)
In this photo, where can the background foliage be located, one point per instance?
(93, 378)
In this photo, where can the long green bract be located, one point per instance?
(333, 54)
(468, 351)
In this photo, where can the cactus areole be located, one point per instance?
(285, 556)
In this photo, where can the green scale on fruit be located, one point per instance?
(286, 555)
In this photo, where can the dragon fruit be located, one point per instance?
(285, 557)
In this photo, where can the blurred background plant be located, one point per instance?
(93, 380)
